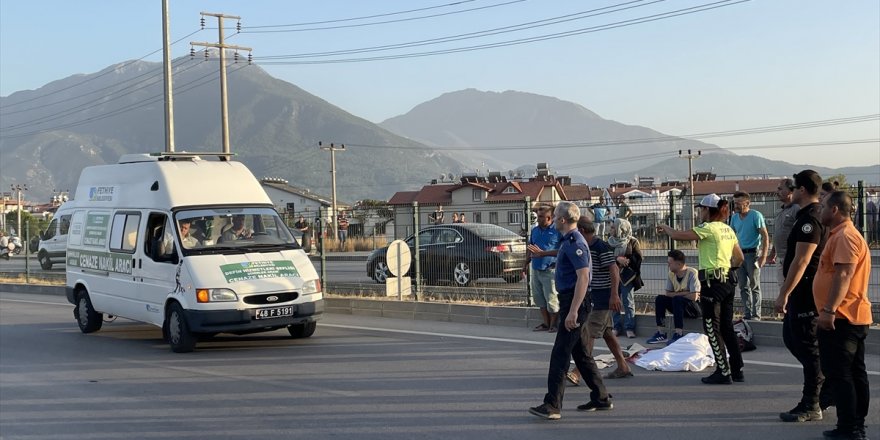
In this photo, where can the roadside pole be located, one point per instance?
(417, 282)
(320, 230)
(27, 267)
(528, 220)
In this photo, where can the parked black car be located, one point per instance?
(462, 253)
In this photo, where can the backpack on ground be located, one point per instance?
(745, 337)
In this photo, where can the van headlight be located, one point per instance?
(310, 287)
(215, 295)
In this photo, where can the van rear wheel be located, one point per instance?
(180, 338)
(88, 319)
(302, 330)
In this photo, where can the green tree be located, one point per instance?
(35, 224)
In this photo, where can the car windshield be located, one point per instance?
(224, 230)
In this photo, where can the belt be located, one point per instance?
(713, 274)
(750, 250)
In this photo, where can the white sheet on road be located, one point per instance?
(690, 353)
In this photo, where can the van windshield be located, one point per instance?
(232, 230)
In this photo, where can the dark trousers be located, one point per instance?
(678, 305)
(799, 335)
(566, 347)
(842, 356)
(716, 302)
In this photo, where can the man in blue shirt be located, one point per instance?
(543, 243)
(573, 268)
(751, 232)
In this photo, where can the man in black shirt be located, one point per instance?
(805, 243)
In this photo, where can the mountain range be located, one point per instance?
(50, 134)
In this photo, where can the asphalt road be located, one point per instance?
(357, 377)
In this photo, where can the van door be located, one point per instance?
(120, 264)
(157, 265)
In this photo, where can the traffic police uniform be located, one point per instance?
(573, 254)
(717, 241)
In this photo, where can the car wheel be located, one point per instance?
(44, 260)
(302, 330)
(461, 274)
(380, 272)
(88, 319)
(180, 338)
(17, 251)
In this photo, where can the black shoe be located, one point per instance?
(545, 411)
(717, 378)
(596, 405)
(737, 376)
(802, 413)
(844, 434)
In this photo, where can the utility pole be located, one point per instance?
(18, 188)
(224, 112)
(166, 61)
(333, 149)
(690, 157)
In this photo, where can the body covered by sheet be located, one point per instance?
(690, 353)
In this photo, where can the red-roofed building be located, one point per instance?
(491, 199)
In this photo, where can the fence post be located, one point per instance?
(861, 203)
(319, 228)
(416, 282)
(26, 244)
(671, 219)
(528, 222)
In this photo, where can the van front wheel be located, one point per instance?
(302, 330)
(44, 260)
(179, 337)
(88, 319)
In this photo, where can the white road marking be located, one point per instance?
(451, 335)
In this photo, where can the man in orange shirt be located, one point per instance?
(840, 290)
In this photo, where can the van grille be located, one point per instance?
(277, 298)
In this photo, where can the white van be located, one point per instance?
(53, 241)
(192, 246)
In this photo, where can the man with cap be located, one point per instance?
(795, 300)
(719, 255)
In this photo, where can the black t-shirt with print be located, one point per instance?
(807, 229)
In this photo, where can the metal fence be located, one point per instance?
(481, 259)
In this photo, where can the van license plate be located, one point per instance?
(274, 312)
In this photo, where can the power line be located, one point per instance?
(99, 101)
(106, 72)
(478, 34)
(399, 20)
(598, 28)
(596, 144)
(365, 17)
(183, 89)
(672, 154)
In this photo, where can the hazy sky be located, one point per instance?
(753, 64)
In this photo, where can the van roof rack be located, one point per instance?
(187, 155)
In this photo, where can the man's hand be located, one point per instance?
(571, 321)
(535, 250)
(762, 261)
(772, 258)
(826, 321)
(781, 304)
(664, 229)
(614, 304)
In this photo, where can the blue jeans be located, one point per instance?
(629, 309)
(680, 307)
(749, 275)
